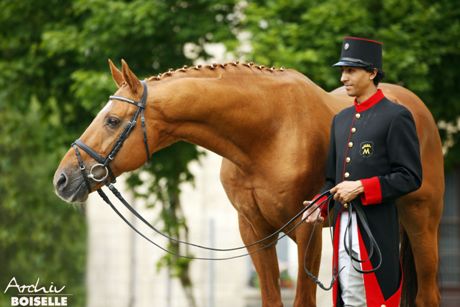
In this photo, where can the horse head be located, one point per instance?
(115, 142)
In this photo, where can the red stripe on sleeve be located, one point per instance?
(372, 191)
(323, 205)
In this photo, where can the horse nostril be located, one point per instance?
(62, 181)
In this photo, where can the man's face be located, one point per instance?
(356, 80)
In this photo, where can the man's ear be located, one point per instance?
(373, 73)
(117, 76)
(130, 78)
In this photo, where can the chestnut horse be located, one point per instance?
(271, 126)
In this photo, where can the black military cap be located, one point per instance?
(361, 52)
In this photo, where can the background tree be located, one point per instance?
(54, 78)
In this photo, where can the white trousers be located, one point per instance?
(351, 282)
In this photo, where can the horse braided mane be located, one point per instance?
(186, 71)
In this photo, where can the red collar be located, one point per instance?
(370, 102)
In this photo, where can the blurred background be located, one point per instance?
(54, 78)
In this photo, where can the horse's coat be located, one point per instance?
(271, 127)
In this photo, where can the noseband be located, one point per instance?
(103, 163)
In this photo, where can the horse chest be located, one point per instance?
(258, 199)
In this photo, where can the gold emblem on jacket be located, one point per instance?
(367, 149)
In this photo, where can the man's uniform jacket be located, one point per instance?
(375, 142)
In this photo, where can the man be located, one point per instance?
(373, 159)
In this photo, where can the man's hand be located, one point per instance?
(346, 191)
(312, 214)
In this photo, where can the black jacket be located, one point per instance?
(376, 142)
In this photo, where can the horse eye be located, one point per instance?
(112, 122)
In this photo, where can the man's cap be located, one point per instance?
(360, 52)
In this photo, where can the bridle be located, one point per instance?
(104, 162)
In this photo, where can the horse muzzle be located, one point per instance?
(70, 186)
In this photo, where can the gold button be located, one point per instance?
(350, 144)
(345, 205)
(348, 159)
(347, 174)
(357, 115)
(353, 130)
(383, 305)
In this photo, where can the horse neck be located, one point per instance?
(220, 112)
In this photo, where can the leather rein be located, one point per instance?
(347, 242)
(108, 179)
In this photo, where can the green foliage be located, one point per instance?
(40, 236)
(54, 79)
(421, 44)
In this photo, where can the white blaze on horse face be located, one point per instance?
(106, 108)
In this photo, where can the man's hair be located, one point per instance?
(378, 77)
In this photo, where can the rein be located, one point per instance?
(265, 246)
(373, 243)
(348, 237)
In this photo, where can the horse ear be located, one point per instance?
(116, 74)
(130, 78)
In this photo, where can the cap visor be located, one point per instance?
(348, 63)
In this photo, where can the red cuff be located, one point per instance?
(323, 205)
(372, 191)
